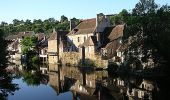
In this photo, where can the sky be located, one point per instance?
(81, 9)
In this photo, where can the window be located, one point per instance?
(78, 39)
(84, 39)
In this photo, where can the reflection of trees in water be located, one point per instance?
(6, 85)
(32, 78)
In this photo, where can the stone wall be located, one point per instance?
(99, 62)
(52, 46)
(70, 58)
(17, 56)
(52, 59)
(74, 58)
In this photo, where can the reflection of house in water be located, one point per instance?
(44, 69)
(144, 90)
(54, 81)
(92, 85)
(134, 89)
(53, 67)
(58, 81)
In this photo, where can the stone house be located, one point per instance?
(14, 43)
(53, 45)
(42, 46)
(21, 36)
(92, 39)
(86, 37)
(112, 48)
(87, 28)
(89, 47)
(120, 57)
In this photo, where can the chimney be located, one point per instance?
(54, 30)
(107, 17)
(99, 18)
(72, 24)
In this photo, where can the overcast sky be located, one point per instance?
(44, 9)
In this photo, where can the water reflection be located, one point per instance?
(88, 84)
(6, 85)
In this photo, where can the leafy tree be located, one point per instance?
(145, 6)
(3, 45)
(119, 18)
(63, 19)
(148, 29)
(37, 26)
(6, 85)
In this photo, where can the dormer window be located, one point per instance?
(75, 30)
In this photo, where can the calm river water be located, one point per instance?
(52, 82)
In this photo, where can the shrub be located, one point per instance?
(35, 59)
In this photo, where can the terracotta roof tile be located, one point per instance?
(116, 32)
(11, 37)
(85, 27)
(87, 24)
(60, 33)
(20, 35)
(40, 36)
(114, 45)
(123, 47)
(25, 34)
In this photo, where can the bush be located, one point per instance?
(35, 59)
(112, 67)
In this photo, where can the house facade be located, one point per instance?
(53, 45)
(14, 44)
(87, 28)
(42, 46)
(89, 41)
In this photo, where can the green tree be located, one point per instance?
(29, 43)
(63, 19)
(3, 45)
(120, 18)
(145, 6)
(148, 29)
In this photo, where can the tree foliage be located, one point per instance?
(3, 45)
(38, 26)
(119, 18)
(6, 85)
(149, 29)
(29, 44)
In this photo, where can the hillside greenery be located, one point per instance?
(37, 25)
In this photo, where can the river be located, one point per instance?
(53, 82)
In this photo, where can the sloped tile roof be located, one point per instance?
(60, 33)
(114, 45)
(11, 37)
(85, 27)
(87, 24)
(40, 36)
(25, 34)
(20, 35)
(123, 47)
(116, 32)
